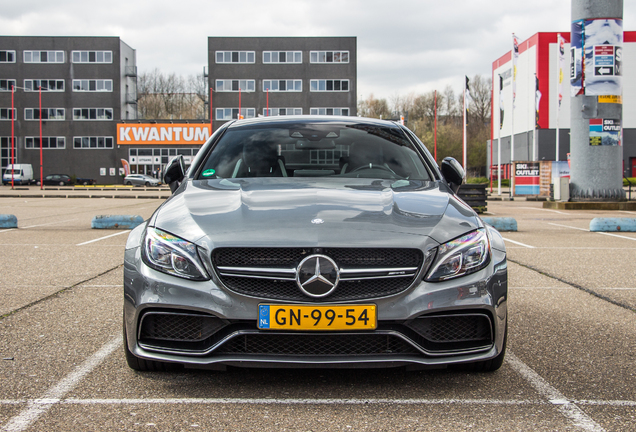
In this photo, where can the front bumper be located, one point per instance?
(408, 324)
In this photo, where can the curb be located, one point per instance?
(116, 221)
(501, 223)
(613, 225)
(8, 221)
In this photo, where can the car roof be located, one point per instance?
(308, 119)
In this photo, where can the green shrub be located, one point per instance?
(477, 180)
(631, 179)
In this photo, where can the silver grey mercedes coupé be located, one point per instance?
(308, 241)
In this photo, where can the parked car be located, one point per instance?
(57, 180)
(314, 241)
(141, 180)
(85, 181)
(22, 174)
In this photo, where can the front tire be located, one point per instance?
(143, 365)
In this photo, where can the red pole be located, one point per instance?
(41, 171)
(267, 109)
(435, 135)
(12, 134)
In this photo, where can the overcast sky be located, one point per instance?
(403, 46)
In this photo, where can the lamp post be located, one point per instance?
(41, 169)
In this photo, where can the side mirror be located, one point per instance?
(453, 173)
(175, 172)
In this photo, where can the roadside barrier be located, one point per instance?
(613, 224)
(8, 221)
(116, 221)
(501, 223)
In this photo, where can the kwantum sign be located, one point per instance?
(162, 133)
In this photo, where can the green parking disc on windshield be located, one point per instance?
(208, 173)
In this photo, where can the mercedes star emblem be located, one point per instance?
(317, 276)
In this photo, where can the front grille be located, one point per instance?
(453, 332)
(177, 327)
(317, 345)
(284, 287)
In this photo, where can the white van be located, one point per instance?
(22, 174)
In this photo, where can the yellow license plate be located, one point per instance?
(313, 317)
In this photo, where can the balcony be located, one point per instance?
(130, 71)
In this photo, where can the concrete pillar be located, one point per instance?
(596, 170)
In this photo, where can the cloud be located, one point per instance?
(406, 46)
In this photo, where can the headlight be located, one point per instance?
(172, 255)
(464, 255)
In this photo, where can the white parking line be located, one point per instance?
(35, 408)
(50, 223)
(7, 230)
(595, 232)
(518, 243)
(102, 238)
(275, 401)
(568, 408)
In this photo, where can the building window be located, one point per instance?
(6, 84)
(92, 142)
(232, 113)
(329, 111)
(235, 56)
(7, 56)
(92, 56)
(92, 113)
(93, 85)
(235, 85)
(270, 57)
(329, 85)
(5, 114)
(5, 150)
(282, 111)
(329, 56)
(47, 85)
(47, 142)
(47, 114)
(44, 56)
(282, 85)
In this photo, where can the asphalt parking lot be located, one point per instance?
(571, 361)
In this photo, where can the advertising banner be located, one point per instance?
(527, 178)
(603, 57)
(596, 51)
(576, 58)
(162, 133)
(605, 132)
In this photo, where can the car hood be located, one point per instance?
(314, 212)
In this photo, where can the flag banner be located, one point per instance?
(501, 102)
(515, 57)
(561, 48)
(537, 98)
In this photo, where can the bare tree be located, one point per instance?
(170, 96)
(375, 108)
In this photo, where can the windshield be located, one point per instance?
(315, 150)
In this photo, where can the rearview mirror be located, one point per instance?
(453, 173)
(175, 172)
